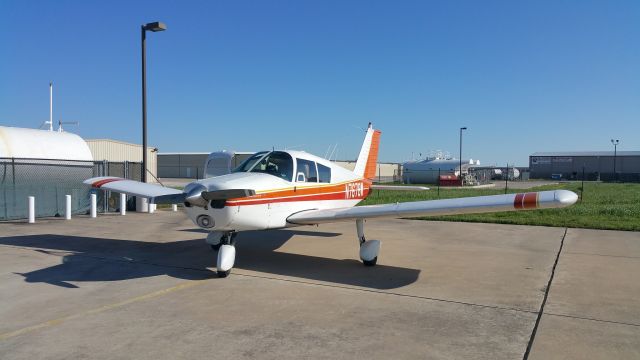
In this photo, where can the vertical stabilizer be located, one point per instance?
(368, 158)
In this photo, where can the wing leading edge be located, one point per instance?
(480, 204)
(131, 187)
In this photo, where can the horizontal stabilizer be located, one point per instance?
(469, 205)
(398, 187)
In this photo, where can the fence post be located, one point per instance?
(506, 179)
(94, 211)
(106, 193)
(582, 187)
(67, 207)
(438, 182)
(32, 209)
(123, 204)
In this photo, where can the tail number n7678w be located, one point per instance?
(354, 190)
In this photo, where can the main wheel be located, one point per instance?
(370, 262)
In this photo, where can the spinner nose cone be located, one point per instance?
(566, 197)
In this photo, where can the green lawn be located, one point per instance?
(604, 206)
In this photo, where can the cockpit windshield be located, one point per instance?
(250, 162)
(276, 163)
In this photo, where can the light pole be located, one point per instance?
(615, 153)
(155, 27)
(462, 128)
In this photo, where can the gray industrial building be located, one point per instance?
(191, 165)
(598, 165)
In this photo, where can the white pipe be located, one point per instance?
(123, 204)
(32, 209)
(94, 210)
(174, 207)
(67, 208)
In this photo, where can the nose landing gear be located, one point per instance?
(224, 243)
(369, 249)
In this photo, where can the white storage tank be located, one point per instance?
(427, 171)
(42, 144)
(45, 164)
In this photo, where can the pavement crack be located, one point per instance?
(544, 299)
(593, 319)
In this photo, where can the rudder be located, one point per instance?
(368, 158)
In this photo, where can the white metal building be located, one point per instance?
(120, 151)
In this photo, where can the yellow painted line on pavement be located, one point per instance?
(61, 320)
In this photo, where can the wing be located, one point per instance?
(196, 194)
(480, 204)
(135, 188)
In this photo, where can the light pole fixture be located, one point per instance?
(154, 27)
(462, 128)
(615, 154)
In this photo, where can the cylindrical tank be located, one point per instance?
(46, 164)
(427, 171)
(42, 144)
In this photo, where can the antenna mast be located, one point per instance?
(51, 106)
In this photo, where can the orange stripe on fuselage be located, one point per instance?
(372, 160)
(330, 192)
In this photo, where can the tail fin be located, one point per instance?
(368, 158)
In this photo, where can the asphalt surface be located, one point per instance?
(143, 286)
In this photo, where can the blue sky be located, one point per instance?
(249, 75)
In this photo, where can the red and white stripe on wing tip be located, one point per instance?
(98, 183)
(526, 201)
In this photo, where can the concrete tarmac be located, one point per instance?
(143, 286)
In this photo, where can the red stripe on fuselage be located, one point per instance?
(334, 192)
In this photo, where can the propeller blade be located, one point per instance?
(170, 199)
(227, 194)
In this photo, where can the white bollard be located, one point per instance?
(94, 206)
(123, 204)
(32, 209)
(67, 207)
(152, 208)
(174, 207)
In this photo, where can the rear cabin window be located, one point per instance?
(324, 174)
(306, 171)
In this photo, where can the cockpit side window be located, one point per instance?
(276, 163)
(306, 171)
(324, 173)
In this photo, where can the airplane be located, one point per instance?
(283, 188)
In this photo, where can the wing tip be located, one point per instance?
(566, 197)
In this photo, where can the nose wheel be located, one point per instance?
(226, 254)
(369, 249)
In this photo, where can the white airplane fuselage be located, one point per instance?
(276, 198)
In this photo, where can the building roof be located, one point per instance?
(585, 153)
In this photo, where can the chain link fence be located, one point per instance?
(50, 180)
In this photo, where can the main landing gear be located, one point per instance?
(224, 243)
(369, 249)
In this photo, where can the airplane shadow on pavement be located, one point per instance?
(100, 259)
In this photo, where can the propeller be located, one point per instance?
(198, 195)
